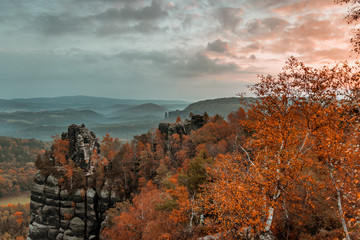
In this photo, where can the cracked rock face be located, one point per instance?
(60, 214)
(82, 144)
(196, 122)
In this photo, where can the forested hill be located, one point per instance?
(20, 150)
(17, 164)
(220, 106)
(42, 118)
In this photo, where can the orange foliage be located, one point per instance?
(18, 214)
(302, 111)
(182, 213)
(61, 149)
(109, 147)
(140, 220)
(19, 217)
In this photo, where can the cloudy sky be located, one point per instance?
(160, 49)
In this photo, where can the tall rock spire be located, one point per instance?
(58, 213)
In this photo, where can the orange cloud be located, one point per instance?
(299, 7)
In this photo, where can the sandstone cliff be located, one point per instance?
(69, 214)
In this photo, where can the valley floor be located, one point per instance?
(23, 198)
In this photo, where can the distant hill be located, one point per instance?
(74, 102)
(43, 117)
(148, 107)
(146, 111)
(221, 106)
(51, 117)
(112, 108)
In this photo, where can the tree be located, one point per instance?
(178, 119)
(287, 126)
(195, 176)
(61, 150)
(109, 147)
(353, 17)
(123, 168)
(328, 102)
(140, 220)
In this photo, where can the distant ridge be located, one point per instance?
(76, 102)
(43, 117)
(220, 106)
(81, 98)
(148, 107)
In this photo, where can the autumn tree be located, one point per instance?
(194, 174)
(109, 147)
(139, 220)
(353, 18)
(60, 151)
(123, 170)
(216, 135)
(338, 137)
(285, 125)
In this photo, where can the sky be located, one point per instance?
(161, 49)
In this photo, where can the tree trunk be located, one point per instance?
(341, 212)
(269, 220)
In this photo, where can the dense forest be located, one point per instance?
(17, 171)
(17, 164)
(286, 167)
(14, 221)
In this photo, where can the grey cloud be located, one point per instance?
(187, 22)
(218, 46)
(274, 23)
(128, 13)
(223, 2)
(152, 57)
(142, 27)
(147, 28)
(110, 22)
(125, 1)
(61, 24)
(177, 65)
(200, 64)
(252, 47)
(229, 18)
(266, 26)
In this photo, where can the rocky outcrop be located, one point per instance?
(196, 122)
(82, 144)
(74, 210)
(70, 214)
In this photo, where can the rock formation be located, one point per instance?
(73, 210)
(70, 214)
(196, 122)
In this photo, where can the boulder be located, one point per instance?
(38, 231)
(77, 226)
